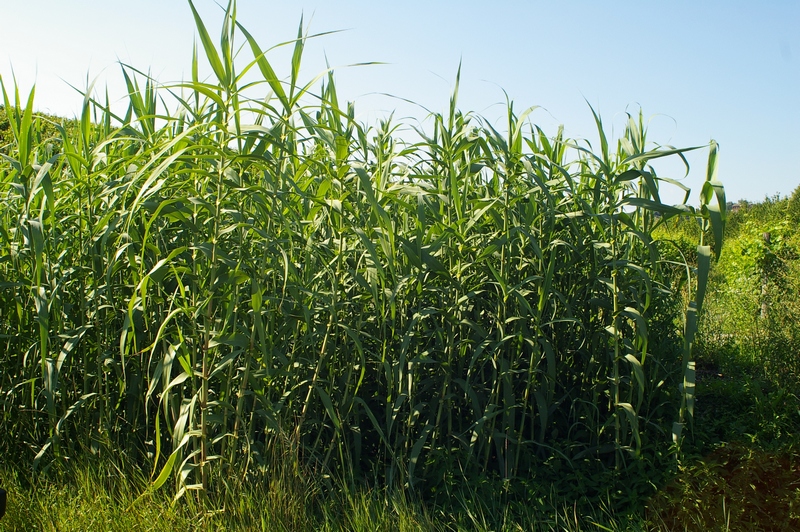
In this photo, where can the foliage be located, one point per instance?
(98, 496)
(734, 488)
(47, 132)
(739, 470)
(189, 285)
(6, 136)
(793, 207)
(754, 294)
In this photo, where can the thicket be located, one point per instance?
(218, 275)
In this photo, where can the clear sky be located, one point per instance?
(727, 70)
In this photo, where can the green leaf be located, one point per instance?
(328, 404)
(211, 52)
(416, 452)
(166, 471)
(266, 70)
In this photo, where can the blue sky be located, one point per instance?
(699, 70)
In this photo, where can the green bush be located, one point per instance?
(750, 315)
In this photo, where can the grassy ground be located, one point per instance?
(735, 487)
(88, 499)
(742, 468)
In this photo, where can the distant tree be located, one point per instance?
(6, 135)
(45, 129)
(793, 207)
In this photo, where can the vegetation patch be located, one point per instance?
(236, 289)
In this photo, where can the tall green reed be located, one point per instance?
(214, 275)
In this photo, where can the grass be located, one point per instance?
(89, 497)
(282, 318)
(736, 487)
